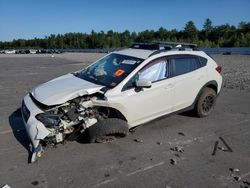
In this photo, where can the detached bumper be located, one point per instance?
(35, 129)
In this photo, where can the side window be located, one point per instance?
(154, 71)
(184, 65)
(203, 61)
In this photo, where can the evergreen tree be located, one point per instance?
(224, 35)
(190, 32)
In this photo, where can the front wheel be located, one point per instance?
(107, 130)
(206, 102)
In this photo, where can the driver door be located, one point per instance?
(146, 104)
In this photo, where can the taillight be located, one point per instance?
(218, 69)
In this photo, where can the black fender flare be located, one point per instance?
(211, 84)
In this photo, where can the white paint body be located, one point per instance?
(164, 97)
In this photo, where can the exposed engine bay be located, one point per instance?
(69, 120)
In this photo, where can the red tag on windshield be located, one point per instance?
(119, 72)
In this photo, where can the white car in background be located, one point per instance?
(32, 51)
(9, 51)
(121, 90)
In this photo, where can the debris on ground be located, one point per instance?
(222, 148)
(215, 147)
(234, 169)
(173, 161)
(228, 148)
(106, 175)
(237, 178)
(177, 155)
(6, 186)
(225, 143)
(178, 149)
(243, 186)
(132, 131)
(246, 182)
(138, 140)
(35, 182)
(159, 143)
(181, 133)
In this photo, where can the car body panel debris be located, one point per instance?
(178, 149)
(173, 161)
(234, 169)
(181, 133)
(138, 140)
(237, 178)
(6, 186)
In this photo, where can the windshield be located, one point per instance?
(110, 70)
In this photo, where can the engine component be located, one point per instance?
(69, 118)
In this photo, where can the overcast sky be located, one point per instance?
(30, 18)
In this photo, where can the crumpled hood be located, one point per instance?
(62, 89)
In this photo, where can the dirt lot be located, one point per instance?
(125, 162)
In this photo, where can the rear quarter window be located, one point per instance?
(203, 61)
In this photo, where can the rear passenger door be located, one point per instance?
(189, 74)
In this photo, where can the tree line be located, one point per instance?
(224, 35)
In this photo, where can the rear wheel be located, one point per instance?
(206, 102)
(107, 130)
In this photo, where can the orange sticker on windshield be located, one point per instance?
(119, 72)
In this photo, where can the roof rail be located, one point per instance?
(163, 45)
(159, 47)
(150, 46)
(177, 44)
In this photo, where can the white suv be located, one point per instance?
(121, 90)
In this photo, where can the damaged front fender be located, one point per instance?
(35, 130)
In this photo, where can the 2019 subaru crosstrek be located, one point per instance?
(121, 90)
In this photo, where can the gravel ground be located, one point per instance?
(173, 151)
(236, 71)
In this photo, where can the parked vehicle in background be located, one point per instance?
(32, 51)
(20, 51)
(9, 51)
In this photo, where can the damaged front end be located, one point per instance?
(52, 125)
(75, 115)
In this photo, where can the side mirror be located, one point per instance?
(143, 83)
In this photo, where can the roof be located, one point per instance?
(139, 53)
(145, 50)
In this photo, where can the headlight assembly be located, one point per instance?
(49, 120)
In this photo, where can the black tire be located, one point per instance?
(205, 103)
(107, 130)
